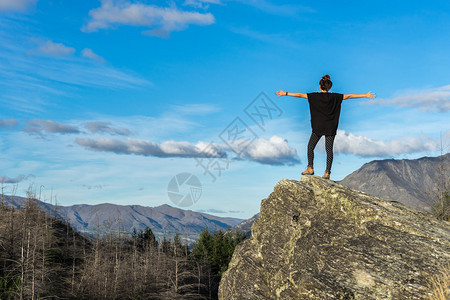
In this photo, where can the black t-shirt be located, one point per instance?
(325, 109)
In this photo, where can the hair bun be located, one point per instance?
(325, 83)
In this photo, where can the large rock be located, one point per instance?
(315, 239)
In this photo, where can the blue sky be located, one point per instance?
(106, 101)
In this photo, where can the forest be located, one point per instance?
(43, 257)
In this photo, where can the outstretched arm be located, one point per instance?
(299, 95)
(369, 95)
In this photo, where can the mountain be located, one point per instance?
(316, 239)
(413, 183)
(164, 220)
(246, 225)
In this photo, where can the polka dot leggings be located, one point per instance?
(329, 141)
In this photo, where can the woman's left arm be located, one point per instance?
(369, 95)
(299, 95)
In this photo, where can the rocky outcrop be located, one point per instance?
(412, 182)
(315, 239)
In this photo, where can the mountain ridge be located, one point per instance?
(164, 220)
(412, 182)
(399, 190)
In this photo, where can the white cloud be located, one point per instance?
(201, 3)
(43, 127)
(15, 5)
(275, 151)
(55, 49)
(161, 20)
(366, 147)
(447, 135)
(105, 127)
(277, 9)
(86, 52)
(5, 179)
(8, 123)
(147, 148)
(195, 109)
(40, 127)
(264, 5)
(35, 83)
(273, 38)
(436, 99)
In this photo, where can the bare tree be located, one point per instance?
(441, 206)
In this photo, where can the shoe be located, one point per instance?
(326, 175)
(308, 171)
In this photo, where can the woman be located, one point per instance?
(325, 109)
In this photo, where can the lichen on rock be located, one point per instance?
(315, 239)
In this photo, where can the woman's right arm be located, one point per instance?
(299, 95)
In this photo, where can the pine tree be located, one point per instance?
(204, 246)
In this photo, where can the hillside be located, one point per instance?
(315, 239)
(164, 220)
(43, 257)
(413, 183)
